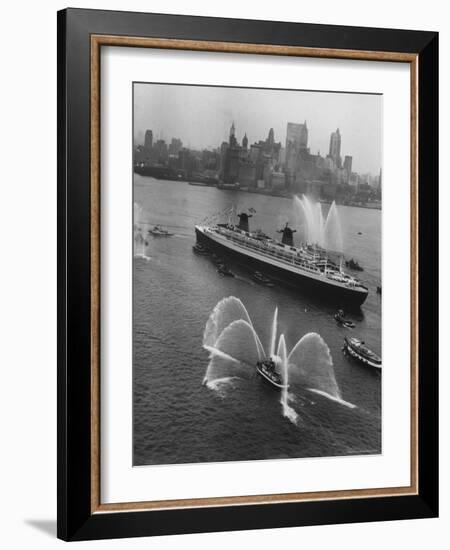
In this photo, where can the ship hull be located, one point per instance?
(272, 383)
(339, 296)
(358, 357)
(158, 172)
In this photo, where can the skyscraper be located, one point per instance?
(160, 151)
(296, 141)
(298, 134)
(232, 156)
(223, 154)
(148, 143)
(348, 160)
(233, 141)
(175, 146)
(335, 148)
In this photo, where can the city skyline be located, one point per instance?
(201, 117)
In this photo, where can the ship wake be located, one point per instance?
(139, 224)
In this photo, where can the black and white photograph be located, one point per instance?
(256, 274)
(221, 285)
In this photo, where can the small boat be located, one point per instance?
(199, 183)
(353, 264)
(342, 321)
(158, 231)
(266, 369)
(359, 233)
(357, 349)
(202, 180)
(216, 260)
(260, 278)
(200, 250)
(225, 271)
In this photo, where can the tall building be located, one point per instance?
(233, 141)
(210, 160)
(298, 134)
(335, 148)
(160, 151)
(184, 159)
(255, 152)
(230, 171)
(246, 165)
(175, 146)
(348, 160)
(296, 142)
(148, 143)
(223, 154)
(231, 168)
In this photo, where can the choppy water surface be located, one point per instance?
(177, 419)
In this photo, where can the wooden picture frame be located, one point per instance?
(81, 35)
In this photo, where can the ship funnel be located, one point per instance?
(288, 235)
(243, 221)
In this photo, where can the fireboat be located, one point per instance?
(267, 370)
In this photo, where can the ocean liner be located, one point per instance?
(306, 267)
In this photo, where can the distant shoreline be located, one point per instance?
(370, 206)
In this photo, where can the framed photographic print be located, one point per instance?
(247, 274)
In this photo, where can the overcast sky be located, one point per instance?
(201, 117)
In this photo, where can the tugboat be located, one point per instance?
(357, 349)
(225, 271)
(260, 278)
(200, 250)
(342, 321)
(216, 260)
(158, 231)
(353, 264)
(266, 369)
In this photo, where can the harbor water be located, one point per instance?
(178, 419)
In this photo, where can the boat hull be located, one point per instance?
(363, 360)
(337, 295)
(270, 381)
